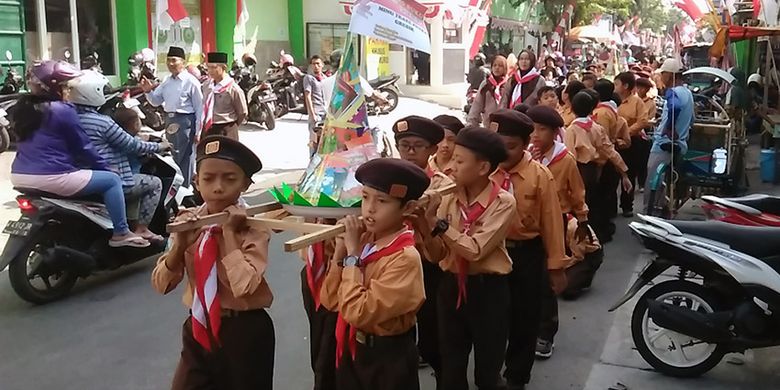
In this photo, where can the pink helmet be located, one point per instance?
(50, 75)
(286, 59)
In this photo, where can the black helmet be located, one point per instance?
(335, 58)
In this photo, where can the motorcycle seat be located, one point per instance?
(380, 80)
(765, 203)
(43, 194)
(757, 241)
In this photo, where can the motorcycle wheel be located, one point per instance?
(392, 99)
(255, 112)
(5, 139)
(665, 349)
(281, 109)
(270, 120)
(23, 275)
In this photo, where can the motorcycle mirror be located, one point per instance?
(274, 64)
(8, 55)
(66, 54)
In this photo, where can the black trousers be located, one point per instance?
(644, 155)
(381, 363)
(607, 202)
(528, 283)
(427, 318)
(322, 339)
(244, 359)
(481, 322)
(635, 158)
(580, 275)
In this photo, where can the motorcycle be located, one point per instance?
(751, 210)
(260, 97)
(142, 66)
(58, 240)
(725, 297)
(9, 95)
(387, 86)
(287, 86)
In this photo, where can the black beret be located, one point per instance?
(397, 178)
(512, 123)
(221, 147)
(418, 126)
(644, 82)
(175, 51)
(486, 143)
(545, 115)
(522, 107)
(217, 58)
(450, 123)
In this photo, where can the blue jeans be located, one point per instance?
(109, 185)
(182, 141)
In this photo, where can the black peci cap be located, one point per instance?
(511, 123)
(175, 51)
(217, 58)
(486, 143)
(418, 126)
(398, 178)
(450, 123)
(221, 147)
(546, 116)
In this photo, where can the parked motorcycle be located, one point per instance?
(387, 86)
(58, 240)
(287, 84)
(725, 297)
(142, 66)
(751, 210)
(260, 97)
(9, 95)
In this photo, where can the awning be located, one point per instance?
(507, 24)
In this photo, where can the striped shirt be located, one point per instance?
(114, 144)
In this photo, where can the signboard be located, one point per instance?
(377, 58)
(395, 21)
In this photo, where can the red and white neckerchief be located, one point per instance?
(345, 333)
(585, 123)
(429, 171)
(206, 310)
(468, 216)
(208, 104)
(497, 86)
(315, 270)
(506, 181)
(517, 94)
(559, 152)
(610, 105)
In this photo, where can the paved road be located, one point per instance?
(115, 333)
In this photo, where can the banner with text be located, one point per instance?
(397, 22)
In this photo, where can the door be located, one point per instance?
(12, 35)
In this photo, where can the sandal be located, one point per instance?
(152, 237)
(131, 241)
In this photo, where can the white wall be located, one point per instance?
(324, 11)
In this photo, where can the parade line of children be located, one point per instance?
(419, 277)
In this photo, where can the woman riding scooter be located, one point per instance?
(55, 156)
(117, 146)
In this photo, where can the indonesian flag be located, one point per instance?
(243, 13)
(694, 8)
(766, 11)
(169, 12)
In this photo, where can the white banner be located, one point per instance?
(395, 21)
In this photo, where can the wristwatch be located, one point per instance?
(441, 226)
(351, 261)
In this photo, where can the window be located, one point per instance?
(96, 34)
(323, 38)
(452, 35)
(58, 30)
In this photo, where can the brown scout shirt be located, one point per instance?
(447, 169)
(229, 106)
(615, 126)
(633, 110)
(485, 248)
(650, 107)
(592, 146)
(571, 189)
(240, 274)
(382, 299)
(538, 208)
(567, 115)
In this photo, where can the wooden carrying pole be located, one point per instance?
(330, 231)
(220, 218)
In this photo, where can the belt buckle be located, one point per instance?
(360, 337)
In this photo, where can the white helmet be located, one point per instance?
(87, 89)
(755, 78)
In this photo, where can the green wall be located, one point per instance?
(270, 18)
(225, 23)
(503, 9)
(296, 27)
(131, 31)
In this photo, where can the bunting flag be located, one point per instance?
(169, 12)
(242, 13)
(694, 8)
(557, 34)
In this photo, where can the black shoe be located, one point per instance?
(628, 213)
(544, 349)
(422, 363)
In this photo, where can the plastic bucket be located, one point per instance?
(767, 165)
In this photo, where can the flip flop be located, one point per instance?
(151, 237)
(131, 241)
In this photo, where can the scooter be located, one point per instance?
(725, 297)
(287, 85)
(388, 87)
(58, 240)
(751, 210)
(260, 97)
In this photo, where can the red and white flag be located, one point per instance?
(169, 12)
(242, 13)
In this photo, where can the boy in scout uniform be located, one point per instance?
(224, 102)
(465, 236)
(644, 87)
(375, 282)
(534, 241)
(416, 139)
(228, 340)
(571, 194)
(634, 111)
(442, 160)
